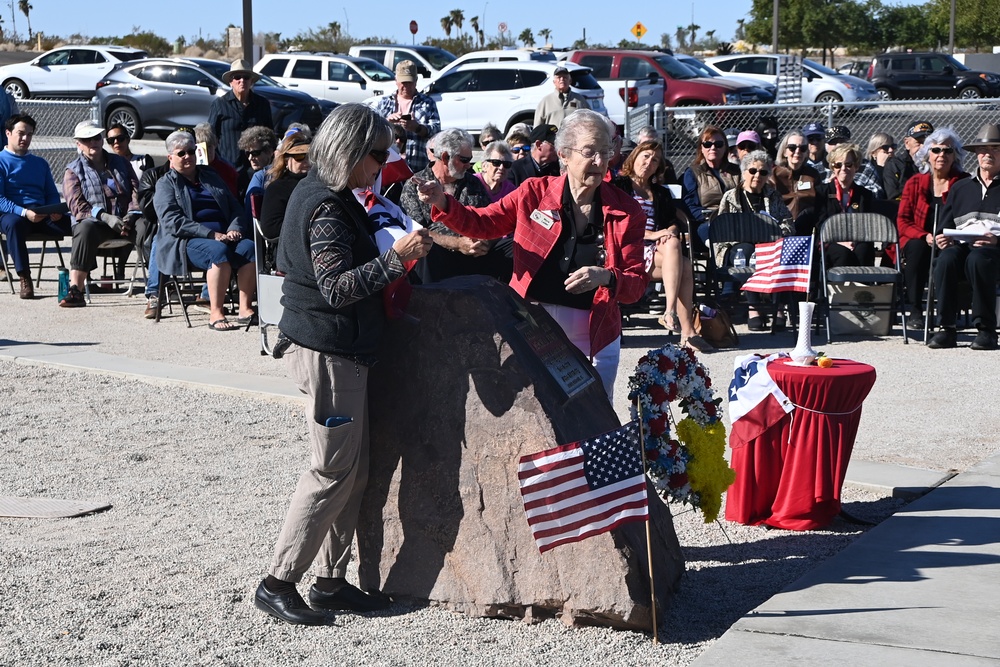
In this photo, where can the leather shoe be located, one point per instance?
(985, 340)
(349, 598)
(946, 338)
(27, 289)
(288, 607)
(915, 322)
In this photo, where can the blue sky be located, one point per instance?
(288, 17)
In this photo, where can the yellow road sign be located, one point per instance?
(638, 30)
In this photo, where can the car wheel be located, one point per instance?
(17, 89)
(128, 118)
(518, 119)
(884, 93)
(969, 93)
(828, 98)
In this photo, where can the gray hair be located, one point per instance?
(878, 140)
(580, 121)
(782, 160)
(498, 149)
(756, 156)
(204, 134)
(258, 135)
(648, 133)
(345, 138)
(491, 132)
(451, 141)
(518, 128)
(179, 139)
(942, 135)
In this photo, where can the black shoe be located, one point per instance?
(348, 598)
(915, 322)
(985, 340)
(780, 324)
(756, 323)
(945, 338)
(288, 607)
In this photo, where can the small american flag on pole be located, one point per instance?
(575, 491)
(782, 266)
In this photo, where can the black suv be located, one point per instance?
(924, 75)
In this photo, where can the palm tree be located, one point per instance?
(26, 7)
(13, 20)
(526, 37)
(681, 36)
(693, 29)
(741, 30)
(545, 34)
(709, 38)
(446, 26)
(457, 18)
(474, 24)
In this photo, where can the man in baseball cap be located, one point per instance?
(559, 103)
(815, 135)
(899, 168)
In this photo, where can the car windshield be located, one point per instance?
(375, 71)
(820, 68)
(438, 58)
(675, 68)
(699, 67)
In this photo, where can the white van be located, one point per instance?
(429, 60)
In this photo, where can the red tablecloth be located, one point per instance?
(791, 475)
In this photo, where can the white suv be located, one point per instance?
(69, 71)
(504, 93)
(430, 60)
(326, 76)
(499, 56)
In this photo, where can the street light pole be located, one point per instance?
(951, 30)
(248, 31)
(774, 29)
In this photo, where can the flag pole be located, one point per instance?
(649, 536)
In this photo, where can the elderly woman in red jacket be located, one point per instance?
(939, 162)
(578, 241)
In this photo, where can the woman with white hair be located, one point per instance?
(939, 163)
(333, 316)
(578, 240)
(881, 147)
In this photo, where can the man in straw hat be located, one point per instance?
(237, 110)
(976, 258)
(414, 112)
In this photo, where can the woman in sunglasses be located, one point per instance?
(577, 239)
(257, 143)
(119, 141)
(880, 148)
(496, 164)
(842, 195)
(793, 178)
(710, 175)
(939, 164)
(291, 164)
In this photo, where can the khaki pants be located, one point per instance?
(323, 513)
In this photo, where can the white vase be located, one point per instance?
(803, 353)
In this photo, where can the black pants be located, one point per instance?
(87, 236)
(916, 268)
(441, 264)
(981, 267)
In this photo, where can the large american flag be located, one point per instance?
(575, 491)
(782, 266)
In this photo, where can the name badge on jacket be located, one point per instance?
(545, 218)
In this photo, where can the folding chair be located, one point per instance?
(732, 228)
(269, 283)
(109, 250)
(861, 227)
(42, 238)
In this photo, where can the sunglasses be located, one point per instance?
(463, 159)
(747, 145)
(299, 157)
(887, 147)
(797, 148)
(519, 149)
(117, 138)
(938, 150)
(256, 153)
(184, 154)
(240, 77)
(753, 171)
(506, 164)
(815, 139)
(837, 166)
(379, 156)
(713, 144)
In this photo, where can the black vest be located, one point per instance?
(308, 319)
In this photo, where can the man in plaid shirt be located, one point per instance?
(414, 112)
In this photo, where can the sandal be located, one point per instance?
(222, 325)
(698, 344)
(670, 321)
(248, 320)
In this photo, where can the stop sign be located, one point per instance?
(413, 27)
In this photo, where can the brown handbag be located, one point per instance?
(717, 330)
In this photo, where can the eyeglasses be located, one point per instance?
(713, 144)
(590, 153)
(464, 159)
(518, 149)
(837, 166)
(797, 148)
(885, 148)
(938, 150)
(753, 171)
(379, 156)
(118, 137)
(256, 153)
(506, 164)
(184, 154)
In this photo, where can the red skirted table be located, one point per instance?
(791, 475)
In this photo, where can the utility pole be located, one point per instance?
(774, 29)
(951, 30)
(248, 31)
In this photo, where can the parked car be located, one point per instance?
(766, 90)
(683, 86)
(328, 76)
(430, 60)
(69, 71)
(504, 93)
(819, 84)
(162, 94)
(499, 56)
(858, 68)
(922, 75)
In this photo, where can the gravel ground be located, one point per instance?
(167, 575)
